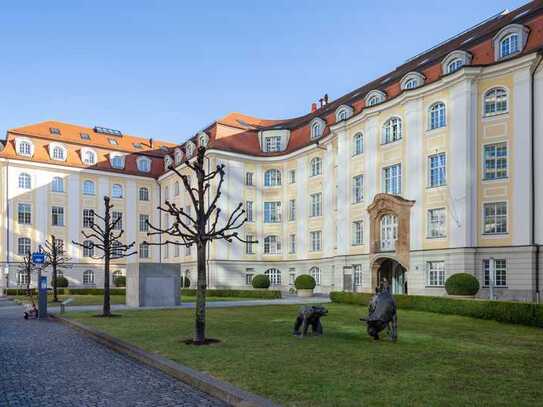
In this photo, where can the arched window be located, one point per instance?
(392, 130)
(317, 128)
(117, 191)
(509, 45)
(167, 162)
(411, 84)
(412, 80)
(374, 97)
(315, 272)
(455, 60)
(437, 116)
(23, 246)
(117, 161)
(373, 101)
(144, 194)
(176, 188)
(272, 245)
(274, 275)
(272, 178)
(25, 181)
(316, 166)
(389, 232)
(89, 157)
(495, 101)
(58, 153)
(510, 40)
(455, 65)
(358, 144)
(144, 164)
(57, 185)
(88, 187)
(178, 156)
(190, 148)
(343, 113)
(203, 139)
(88, 248)
(88, 277)
(24, 148)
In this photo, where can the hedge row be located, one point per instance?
(69, 291)
(262, 294)
(511, 312)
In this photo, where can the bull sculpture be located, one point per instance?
(382, 313)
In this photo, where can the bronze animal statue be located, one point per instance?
(309, 316)
(382, 313)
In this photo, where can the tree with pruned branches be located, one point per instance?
(28, 267)
(56, 258)
(106, 238)
(201, 228)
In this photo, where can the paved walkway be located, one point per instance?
(44, 363)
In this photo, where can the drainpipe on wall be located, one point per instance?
(159, 221)
(7, 219)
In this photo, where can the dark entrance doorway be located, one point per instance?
(394, 273)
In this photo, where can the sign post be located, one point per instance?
(39, 259)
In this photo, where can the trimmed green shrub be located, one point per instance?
(522, 313)
(95, 291)
(305, 282)
(268, 294)
(61, 282)
(18, 291)
(261, 281)
(185, 282)
(462, 284)
(119, 281)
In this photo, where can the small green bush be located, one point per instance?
(267, 295)
(462, 284)
(522, 313)
(185, 282)
(120, 281)
(261, 281)
(62, 282)
(305, 282)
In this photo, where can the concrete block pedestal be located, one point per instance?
(153, 285)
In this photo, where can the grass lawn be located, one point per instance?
(439, 360)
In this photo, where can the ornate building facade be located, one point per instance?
(430, 170)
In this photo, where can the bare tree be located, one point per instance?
(56, 257)
(107, 239)
(28, 267)
(200, 229)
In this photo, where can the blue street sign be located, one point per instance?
(38, 258)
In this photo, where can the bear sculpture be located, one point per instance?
(309, 316)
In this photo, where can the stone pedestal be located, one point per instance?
(153, 285)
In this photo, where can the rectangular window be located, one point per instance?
(249, 246)
(272, 245)
(23, 246)
(495, 217)
(249, 211)
(292, 176)
(144, 251)
(357, 275)
(358, 189)
(249, 179)
(176, 251)
(292, 244)
(437, 223)
(117, 220)
(24, 214)
(316, 204)
(166, 251)
(249, 273)
(88, 218)
(188, 250)
(272, 144)
(291, 276)
(437, 170)
(57, 216)
(435, 273)
(500, 272)
(358, 232)
(495, 161)
(272, 212)
(392, 179)
(144, 223)
(315, 239)
(292, 210)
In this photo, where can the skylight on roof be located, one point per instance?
(112, 141)
(84, 136)
(54, 130)
(137, 145)
(105, 130)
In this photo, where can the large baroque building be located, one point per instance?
(432, 169)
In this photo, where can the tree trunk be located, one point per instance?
(107, 305)
(200, 328)
(55, 296)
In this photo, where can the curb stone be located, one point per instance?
(216, 388)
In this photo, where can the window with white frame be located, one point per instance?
(249, 244)
(374, 97)
(509, 45)
(291, 210)
(143, 250)
(25, 148)
(249, 273)
(358, 233)
(89, 157)
(357, 275)
(272, 144)
(317, 128)
(144, 164)
(389, 232)
(117, 191)
(23, 246)
(392, 179)
(316, 166)
(57, 185)
(144, 223)
(249, 211)
(58, 152)
(392, 130)
(272, 245)
(358, 144)
(178, 156)
(176, 251)
(315, 272)
(358, 188)
(495, 161)
(411, 84)
(437, 116)
(188, 250)
(117, 161)
(166, 193)
(88, 277)
(274, 275)
(291, 276)
(455, 60)
(167, 163)
(57, 216)
(166, 251)
(316, 204)
(343, 113)
(500, 272)
(144, 194)
(25, 181)
(272, 178)
(88, 248)
(176, 189)
(495, 218)
(315, 239)
(292, 176)
(437, 170)
(437, 226)
(272, 212)
(435, 273)
(117, 220)
(89, 187)
(455, 65)
(88, 218)
(24, 214)
(249, 179)
(495, 101)
(22, 279)
(116, 250)
(292, 244)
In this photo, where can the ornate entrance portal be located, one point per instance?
(393, 273)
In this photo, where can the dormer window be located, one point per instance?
(144, 164)
(57, 152)
(454, 61)
(510, 41)
(317, 128)
(343, 113)
(203, 139)
(55, 131)
(167, 162)
(24, 147)
(412, 80)
(84, 136)
(190, 148)
(88, 156)
(272, 144)
(178, 155)
(117, 161)
(113, 142)
(374, 97)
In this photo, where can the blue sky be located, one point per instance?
(166, 69)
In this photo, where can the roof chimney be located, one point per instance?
(313, 107)
(326, 98)
(151, 142)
